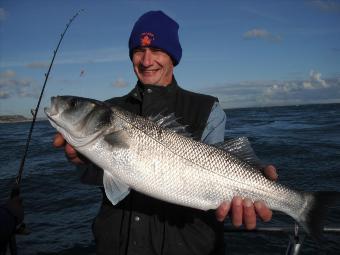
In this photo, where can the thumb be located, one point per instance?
(222, 211)
(270, 173)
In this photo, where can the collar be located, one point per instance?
(140, 89)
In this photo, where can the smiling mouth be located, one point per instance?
(149, 71)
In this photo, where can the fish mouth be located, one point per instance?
(52, 110)
(48, 111)
(50, 115)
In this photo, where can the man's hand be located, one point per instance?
(70, 152)
(244, 211)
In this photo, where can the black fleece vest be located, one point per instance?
(140, 224)
(191, 109)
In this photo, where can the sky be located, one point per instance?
(247, 53)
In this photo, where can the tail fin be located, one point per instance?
(313, 216)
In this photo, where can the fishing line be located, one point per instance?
(15, 190)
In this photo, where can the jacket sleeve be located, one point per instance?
(214, 129)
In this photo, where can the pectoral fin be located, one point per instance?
(117, 139)
(114, 189)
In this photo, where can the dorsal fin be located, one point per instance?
(170, 122)
(241, 148)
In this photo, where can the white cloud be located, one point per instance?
(3, 14)
(11, 86)
(37, 65)
(261, 34)
(326, 5)
(4, 94)
(313, 83)
(314, 89)
(7, 74)
(88, 56)
(120, 83)
(94, 56)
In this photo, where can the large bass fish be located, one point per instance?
(155, 158)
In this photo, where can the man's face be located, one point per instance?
(152, 66)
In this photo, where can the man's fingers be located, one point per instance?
(237, 211)
(249, 216)
(70, 151)
(222, 211)
(58, 140)
(270, 172)
(73, 155)
(263, 211)
(77, 161)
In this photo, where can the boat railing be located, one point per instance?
(295, 235)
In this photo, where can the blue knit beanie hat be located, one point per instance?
(156, 29)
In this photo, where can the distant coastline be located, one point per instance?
(16, 118)
(13, 118)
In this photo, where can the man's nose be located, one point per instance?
(147, 58)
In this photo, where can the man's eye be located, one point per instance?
(155, 50)
(137, 50)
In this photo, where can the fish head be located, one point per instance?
(79, 120)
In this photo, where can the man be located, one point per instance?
(143, 225)
(11, 216)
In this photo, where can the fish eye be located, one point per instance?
(73, 103)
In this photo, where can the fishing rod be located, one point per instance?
(15, 191)
(21, 228)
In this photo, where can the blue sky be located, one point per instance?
(247, 53)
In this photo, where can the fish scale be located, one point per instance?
(182, 149)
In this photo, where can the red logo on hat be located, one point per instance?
(146, 39)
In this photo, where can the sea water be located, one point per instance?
(303, 142)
